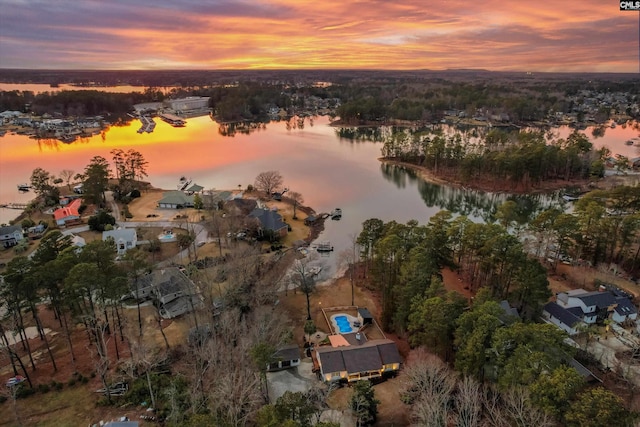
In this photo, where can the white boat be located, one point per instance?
(336, 213)
(24, 187)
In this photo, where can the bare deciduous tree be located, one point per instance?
(297, 200)
(518, 406)
(494, 415)
(468, 403)
(67, 175)
(268, 182)
(428, 387)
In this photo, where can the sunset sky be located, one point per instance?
(543, 35)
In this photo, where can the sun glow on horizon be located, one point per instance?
(292, 34)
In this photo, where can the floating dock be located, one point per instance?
(172, 119)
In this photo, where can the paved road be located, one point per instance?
(114, 206)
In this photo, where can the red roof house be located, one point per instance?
(68, 214)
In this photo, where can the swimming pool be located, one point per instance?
(167, 237)
(343, 324)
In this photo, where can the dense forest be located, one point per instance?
(499, 261)
(524, 158)
(404, 260)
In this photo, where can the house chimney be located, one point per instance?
(358, 336)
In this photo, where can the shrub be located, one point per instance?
(3, 398)
(71, 382)
(134, 194)
(100, 221)
(23, 392)
(82, 208)
(43, 388)
(26, 223)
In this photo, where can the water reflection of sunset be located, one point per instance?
(326, 170)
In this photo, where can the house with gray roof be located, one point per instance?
(175, 199)
(285, 357)
(595, 307)
(270, 220)
(624, 310)
(561, 317)
(174, 293)
(11, 235)
(124, 238)
(370, 359)
(195, 188)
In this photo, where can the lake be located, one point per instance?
(328, 171)
(41, 87)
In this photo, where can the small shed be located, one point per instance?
(364, 316)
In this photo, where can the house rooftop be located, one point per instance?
(175, 197)
(270, 220)
(562, 314)
(360, 359)
(389, 352)
(10, 229)
(330, 359)
(364, 313)
(126, 234)
(287, 352)
(625, 307)
(195, 188)
(599, 299)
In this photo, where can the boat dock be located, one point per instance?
(148, 124)
(172, 119)
(21, 206)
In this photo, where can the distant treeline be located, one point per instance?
(75, 102)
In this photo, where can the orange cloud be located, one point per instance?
(545, 35)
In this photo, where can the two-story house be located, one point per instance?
(597, 306)
(11, 235)
(124, 238)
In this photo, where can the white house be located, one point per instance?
(562, 318)
(595, 306)
(592, 305)
(625, 310)
(10, 235)
(125, 239)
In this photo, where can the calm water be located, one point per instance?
(328, 171)
(38, 88)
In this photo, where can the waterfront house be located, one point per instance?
(11, 235)
(124, 238)
(175, 200)
(271, 221)
(68, 215)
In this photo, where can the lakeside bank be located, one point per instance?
(500, 186)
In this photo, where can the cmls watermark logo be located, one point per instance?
(630, 5)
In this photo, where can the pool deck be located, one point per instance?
(372, 331)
